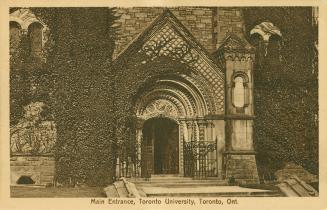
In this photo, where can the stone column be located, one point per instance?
(195, 131)
(181, 147)
(202, 130)
(210, 131)
(139, 137)
(197, 139)
(239, 156)
(138, 149)
(189, 126)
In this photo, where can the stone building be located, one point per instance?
(198, 124)
(31, 139)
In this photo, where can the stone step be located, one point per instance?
(165, 175)
(173, 186)
(213, 191)
(176, 186)
(174, 180)
(182, 184)
(177, 176)
(231, 194)
(177, 180)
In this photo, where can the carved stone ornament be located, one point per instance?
(266, 30)
(161, 108)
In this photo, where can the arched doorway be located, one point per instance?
(160, 147)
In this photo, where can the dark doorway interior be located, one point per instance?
(160, 146)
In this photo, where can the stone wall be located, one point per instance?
(39, 168)
(133, 21)
(229, 20)
(242, 167)
(240, 134)
(209, 25)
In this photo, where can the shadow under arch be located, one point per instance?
(35, 36)
(160, 145)
(15, 34)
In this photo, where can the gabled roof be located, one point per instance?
(232, 42)
(167, 37)
(167, 17)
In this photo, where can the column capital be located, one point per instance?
(139, 123)
(189, 123)
(202, 122)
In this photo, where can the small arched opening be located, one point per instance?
(240, 90)
(25, 180)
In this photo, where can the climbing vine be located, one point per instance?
(91, 98)
(25, 74)
(79, 60)
(286, 90)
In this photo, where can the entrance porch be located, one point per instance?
(166, 146)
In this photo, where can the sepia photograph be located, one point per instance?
(158, 105)
(182, 101)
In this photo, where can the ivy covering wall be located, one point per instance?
(286, 89)
(25, 75)
(80, 61)
(91, 98)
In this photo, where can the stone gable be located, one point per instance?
(133, 21)
(209, 25)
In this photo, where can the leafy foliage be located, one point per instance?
(92, 99)
(25, 75)
(33, 134)
(286, 90)
(79, 63)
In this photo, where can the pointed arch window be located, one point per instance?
(240, 90)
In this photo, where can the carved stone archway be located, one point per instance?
(190, 95)
(177, 99)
